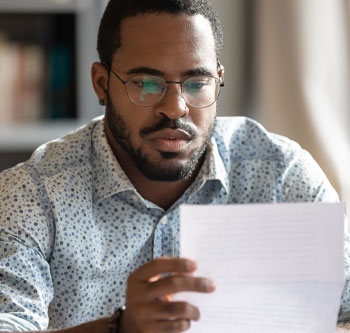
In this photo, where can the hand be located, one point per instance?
(343, 327)
(148, 309)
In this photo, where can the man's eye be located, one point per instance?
(196, 86)
(137, 83)
(149, 87)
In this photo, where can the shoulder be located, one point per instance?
(62, 154)
(25, 201)
(243, 138)
(278, 162)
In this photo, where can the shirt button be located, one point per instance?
(134, 197)
(164, 220)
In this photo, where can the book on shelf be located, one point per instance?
(35, 82)
(21, 82)
(60, 76)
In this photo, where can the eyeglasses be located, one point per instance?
(148, 90)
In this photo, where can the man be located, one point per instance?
(90, 222)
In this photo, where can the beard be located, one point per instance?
(149, 169)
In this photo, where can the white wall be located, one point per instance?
(231, 14)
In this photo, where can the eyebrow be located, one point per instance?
(144, 70)
(198, 71)
(153, 71)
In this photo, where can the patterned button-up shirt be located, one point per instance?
(73, 226)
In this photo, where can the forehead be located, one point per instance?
(166, 42)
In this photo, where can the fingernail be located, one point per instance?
(210, 286)
(198, 316)
(191, 265)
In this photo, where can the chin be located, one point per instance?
(170, 167)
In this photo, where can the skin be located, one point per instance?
(173, 46)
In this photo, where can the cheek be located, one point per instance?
(134, 124)
(127, 111)
(204, 119)
(121, 103)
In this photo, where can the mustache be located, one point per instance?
(172, 124)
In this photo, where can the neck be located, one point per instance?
(161, 193)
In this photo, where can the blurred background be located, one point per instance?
(287, 65)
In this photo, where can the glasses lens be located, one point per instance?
(146, 90)
(201, 91)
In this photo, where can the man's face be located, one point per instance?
(165, 141)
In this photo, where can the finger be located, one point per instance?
(167, 298)
(173, 284)
(173, 326)
(163, 265)
(174, 311)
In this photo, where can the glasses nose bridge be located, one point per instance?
(174, 82)
(174, 95)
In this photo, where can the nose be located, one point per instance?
(172, 105)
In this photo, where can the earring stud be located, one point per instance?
(102, 102)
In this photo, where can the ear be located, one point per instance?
(221, 73)
(99, 77)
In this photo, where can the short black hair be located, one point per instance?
(117, 10)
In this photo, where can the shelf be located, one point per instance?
(87, 15)
(46, 6)
(29, 137)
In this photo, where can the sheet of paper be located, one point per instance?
(277, 267)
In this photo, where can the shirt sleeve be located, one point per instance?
(304, 181)
(26, 240)
(344, 313)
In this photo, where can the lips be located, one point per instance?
(170, 140)
(168, 133)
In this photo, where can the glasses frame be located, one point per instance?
(221, 84)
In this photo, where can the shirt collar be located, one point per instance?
(109, 178)
(213, 168)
